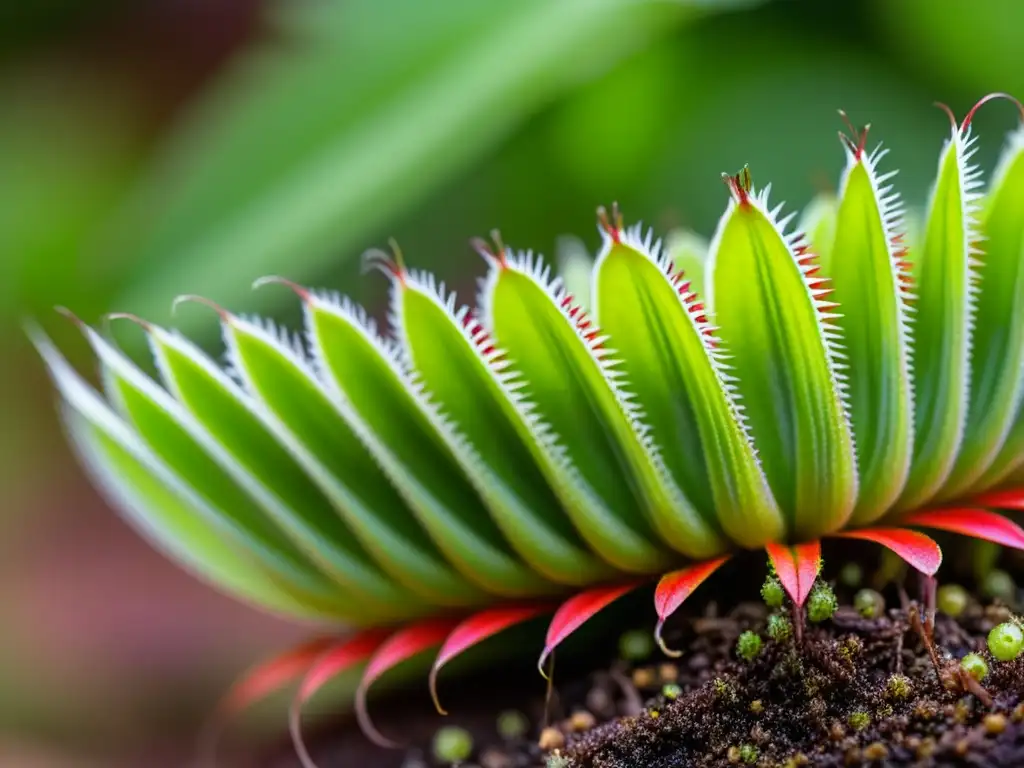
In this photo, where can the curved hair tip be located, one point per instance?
(192, 298)
(298, 290)
(366, 723)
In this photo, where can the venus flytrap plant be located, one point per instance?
(429, 489)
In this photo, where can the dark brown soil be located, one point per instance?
(829, 702)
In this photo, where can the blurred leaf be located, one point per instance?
(68, 148)
(303, 150)
(960, 45)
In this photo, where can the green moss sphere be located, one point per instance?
(748, 645)
(512, 724)
(869, 603)
(1006, 641)
(952, 599)
(452, 745)
(780, 628)
(772, 593)
(975, 666)
(822, 603)
(1000, 585)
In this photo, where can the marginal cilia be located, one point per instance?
(426, 486)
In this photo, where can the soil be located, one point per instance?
(830, 701)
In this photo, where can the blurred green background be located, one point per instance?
(154, 147)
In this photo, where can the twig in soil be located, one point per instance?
(970, 685)
(918, 627)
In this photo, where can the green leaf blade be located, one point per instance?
(868, 278)
(515, 475)
(773, 322)
(168, 514)
(414, 447)
(243, 176)
(559, 355)
(992, 442)
(280, 379)
(680, 383)
(300, 507)
(189, 452)
(941, 324)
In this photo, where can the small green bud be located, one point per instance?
(748, 753)
(898, 687)
(512, 724)
(999, 585)
(671, 691)
(975, 666)
(952, 599)
(636, 645)
(748, 645)
(851, 575)
(772, 592)
(869, 603)
(822, 603)
(452, 744)
(780, 628)
(557, 761)
(1006, 641)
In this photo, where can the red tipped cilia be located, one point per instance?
(424, 486)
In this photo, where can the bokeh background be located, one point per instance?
(154, 147)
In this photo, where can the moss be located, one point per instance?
(671, 691)
(748, 645)
(723, 690)
(780, 628)
(822, 603)
(748, 753)
(850, 648)
(898, 687)
(772, 592)
(859, 720)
